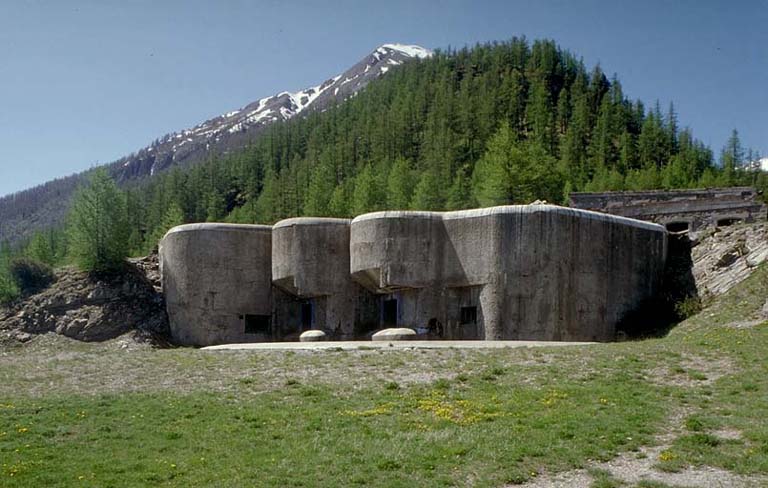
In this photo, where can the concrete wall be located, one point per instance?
(310, 261)
(216, 280)
(532, 272)
(694, 208)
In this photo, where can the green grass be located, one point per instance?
(302, 435)
(99, 415)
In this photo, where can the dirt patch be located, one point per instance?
(691, 371)
(634, 467)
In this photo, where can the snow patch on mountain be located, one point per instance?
(226, 131)
(410, 50)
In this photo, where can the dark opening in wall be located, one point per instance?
(256, 324)
(468, 315)
(389, 312)
(306, 316)
(728, 221)
(676, 227)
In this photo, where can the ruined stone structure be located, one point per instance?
(535, 272)
(679, 210)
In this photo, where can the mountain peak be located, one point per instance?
(234, 129)
(411, 50)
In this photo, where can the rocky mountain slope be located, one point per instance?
(45, 205)
(233, 129)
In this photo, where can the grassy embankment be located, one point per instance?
(103, 415)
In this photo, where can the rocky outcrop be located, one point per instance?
(725, 256)
(90, 308)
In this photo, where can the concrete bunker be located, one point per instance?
(534, 272)
(310, 263)
(217, 283)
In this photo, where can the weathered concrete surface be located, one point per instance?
(310, 261)
(535, 272)
(217, 283)
(679, 209)
(396, 334)
(394, 345)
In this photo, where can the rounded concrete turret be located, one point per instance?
(310, 256)
(217, 283)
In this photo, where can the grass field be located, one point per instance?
(121, 414)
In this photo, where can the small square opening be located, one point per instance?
(727, 222)
(468, 315)
(257, 324)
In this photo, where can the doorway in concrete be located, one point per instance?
(306, 316)
(389, 312)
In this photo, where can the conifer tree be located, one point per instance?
(460, 192)
(8, 289)
(173, 217)
(98, 225)
(426, 195)
(321, 186)
(367, 196)
(399, 185)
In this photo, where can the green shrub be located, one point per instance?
(8, 289)
(30, 275)
(688, 307)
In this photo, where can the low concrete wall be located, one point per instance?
(217, 283)
(533, 272)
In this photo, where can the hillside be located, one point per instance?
(44, 206)
(497, 123)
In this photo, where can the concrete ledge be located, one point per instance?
(399, 345)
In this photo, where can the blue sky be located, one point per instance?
(85, 82)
